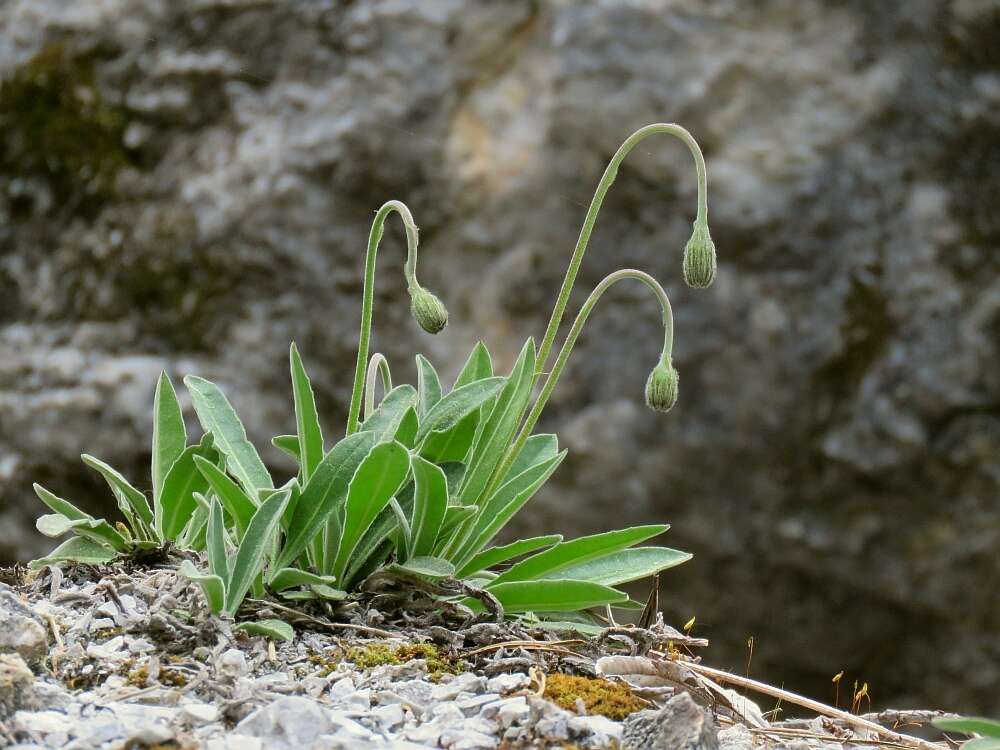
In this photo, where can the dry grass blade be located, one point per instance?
(552, 646)
(812, 705)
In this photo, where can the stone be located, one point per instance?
(512, 711)
(17, 686)
(508, 683)
(288, 723)
(21, 630)
(198, 714)
(389, 717)
(680, 725)
(234, 742)
(466, 682)
(736, 737)
(233, 663)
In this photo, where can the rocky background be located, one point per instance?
(189, 185)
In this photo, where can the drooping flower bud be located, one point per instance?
(428, 310)
(661, 387)
(699, 258)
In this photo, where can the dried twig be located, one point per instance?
(812, 705)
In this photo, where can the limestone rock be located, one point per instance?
(680, 725)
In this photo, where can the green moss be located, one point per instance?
(57, 126)
(378, 654)
(611, 699)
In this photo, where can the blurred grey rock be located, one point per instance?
(17, 686)
(834, 446)
(21, 630)
(680, 725)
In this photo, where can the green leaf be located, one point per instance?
(455, 518)
(451, 409)
(287, 578)
(386, 419)
(277, 630)
(76, 549)
(496, 555)
(250, 556)
(287, 444)
(176, 500)
(549, 596)
(237, 503)
(55, 524)
(970, 725)
(119, 484)
(328, 592)
(169, 432)
(623, 566)
(404, 535)
(377, 479)
(306, 417)
(578, 551)
(218, 555)
(983, 743)
(498, 429)
(58, 505)
(443, 446)
(193, 536)
(432, 568)
(477, 367)
(430, 502)
(325, 490)
(537, 449)
(428, 386)
(217, 416)
(406, 433)
(506, 502)
(212, 586)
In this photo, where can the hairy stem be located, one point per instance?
(409, 270)
(376, 366)
(595, 206)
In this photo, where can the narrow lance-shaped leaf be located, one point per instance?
(430, 502)
(217, 416)
(176, 502)
(287, 578)
(218, 556)
(578, 551)
(477, 367)
(236, 502)
(447, 412)
(499, 428)
(306, 417)
(496, 555)
(212, 586)
(75, 549)
(169, 433)
(250, 556)
(377, 479)
(119, 484)
(428, 386)
(386, 419)
(550, 596)
(277, 630)
(623, 566)
(288, 444)
(453, 444)
(325, 490)
(97, 530)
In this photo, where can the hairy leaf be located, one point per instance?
(287, 444)
(120, 486)
(451, 409)
(549, 596)
(286, 578)
(176, 503)
(430, 502)
(217, 416)
(324, 492)
(212, 586)
(377, 479)
(478, 366)
(496, 555)
(623, 566)
(970, 725)
(169, 432)
(432, 568)
(428, 386)
(277, 630)
(76, 549)
(386, 419)
(406, 433)
(215, 540)
(310, 433)
(453, 444)
(250, 556)
(578, 551)
(237, 503)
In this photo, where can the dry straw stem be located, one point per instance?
(799, 700)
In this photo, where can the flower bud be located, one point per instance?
(661, 387)
(428, 310)
(699, 258)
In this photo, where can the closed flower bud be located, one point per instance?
(428, 310)
(699, 258)
(661, 387)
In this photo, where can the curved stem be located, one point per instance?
(409, 270)
(595, 206)
(567, 348)
(378, 364)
